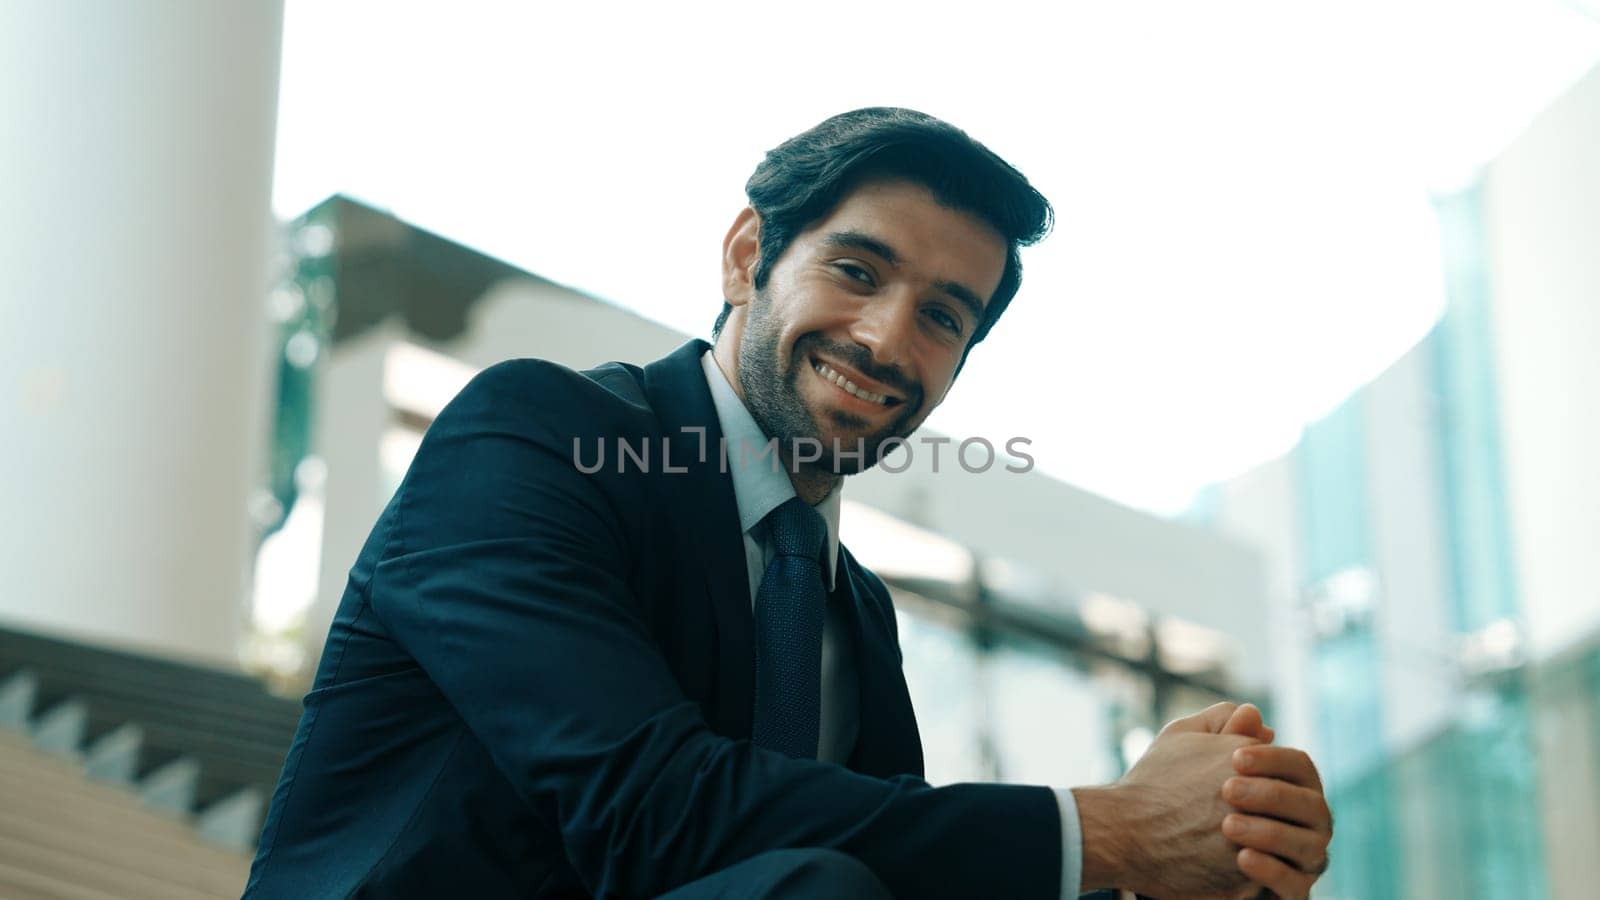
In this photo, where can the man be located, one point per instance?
(596, 647)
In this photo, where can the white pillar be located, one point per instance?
(136, 148)
(351, 417)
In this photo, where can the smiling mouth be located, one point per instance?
(849, 387)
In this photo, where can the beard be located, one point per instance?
(772, 394)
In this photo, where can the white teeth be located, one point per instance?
(851, 386)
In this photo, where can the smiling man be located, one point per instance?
(554, 679)
(853, 335)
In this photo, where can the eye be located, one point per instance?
(945, 320)
(855, 272)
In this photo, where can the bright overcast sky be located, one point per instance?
(1242, 188)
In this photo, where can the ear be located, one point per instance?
(741, 250)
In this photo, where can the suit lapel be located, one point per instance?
(703, 501)
(888, 743)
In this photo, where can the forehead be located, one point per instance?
(931, 241)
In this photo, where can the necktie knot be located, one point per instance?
(797, 529)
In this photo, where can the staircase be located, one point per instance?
(123, 775)
(64, 835)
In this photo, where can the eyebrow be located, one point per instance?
(856, 240)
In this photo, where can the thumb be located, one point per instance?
(1207, 721)
(1246, 721)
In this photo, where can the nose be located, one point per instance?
(886, 327)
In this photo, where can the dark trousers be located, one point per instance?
(803, 874)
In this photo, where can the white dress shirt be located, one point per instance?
(759, 487)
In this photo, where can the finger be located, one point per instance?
(1280, 800)
(1286, 763)
(1209, 720)
(1274, 874)
(1246, 721)
(1301, 846)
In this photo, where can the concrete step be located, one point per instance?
(17, 695)
(60, 729)
(114, 756)
(63, 835)
(171, 788)
(234, 821)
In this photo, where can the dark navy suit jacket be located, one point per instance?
(539, 681)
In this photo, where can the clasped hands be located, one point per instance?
(1212, 810)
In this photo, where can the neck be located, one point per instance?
(725, 352)
(811, 486)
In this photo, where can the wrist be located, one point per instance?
(1110, 850)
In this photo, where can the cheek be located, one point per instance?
(816, 298)
(786, 308)
(938, 382)
(783, 288)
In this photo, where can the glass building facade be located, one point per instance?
(1458, 813)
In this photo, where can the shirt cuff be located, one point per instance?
(1071, 844)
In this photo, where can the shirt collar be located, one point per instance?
(759, 486)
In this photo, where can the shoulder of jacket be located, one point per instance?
(611, 391)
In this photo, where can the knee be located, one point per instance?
(829, 873)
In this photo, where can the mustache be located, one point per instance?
(860, 359)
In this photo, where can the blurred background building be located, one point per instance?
(1431, 543)
(206, 409)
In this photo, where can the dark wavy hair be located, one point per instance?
(806, 177)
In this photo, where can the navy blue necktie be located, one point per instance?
(789, 614)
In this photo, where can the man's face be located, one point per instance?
(885, 294)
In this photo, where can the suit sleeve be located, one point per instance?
(505, 578)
